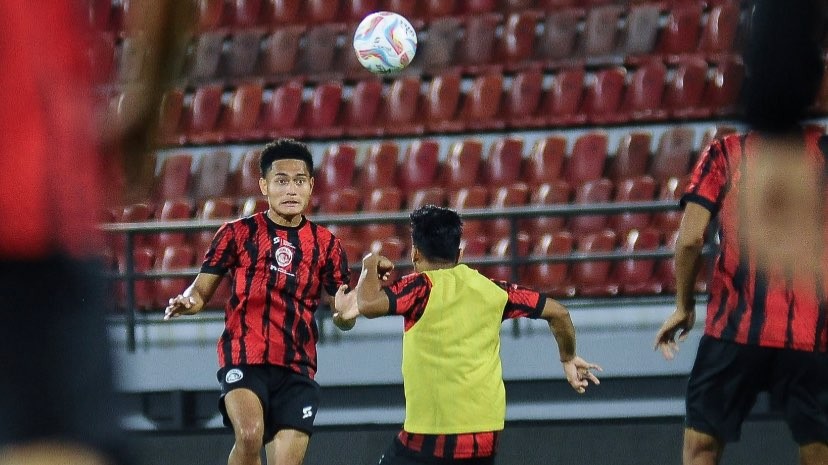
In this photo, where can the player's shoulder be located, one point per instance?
(321, 231)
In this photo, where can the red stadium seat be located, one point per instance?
(681, 33)
(522, 100)
(595, 191)
(321, 11)
(551, 277)
(246, 178)
(321, 111)
(420, 165)
(173, 182)
(503, 165)
(211, 175)
(213, 209)
(379, 169)
(719, 34)
(361, 109)
(502, 248)
(209, 15)
(100, 14)
(517, 5)
(553, 5)
(466, 198)
(562, 102)
(143, 261)
(471, 7)
(280, 50)
(355, 10)
(406, 8)
(513, 195)
(241, 113)
(476, 49)
(674, 154)
(600, 30)
(518, 40)
(545, 161)
(547, 194)
(437, 52)
(252, 205)
(671, 189)
(399, 108)
(170, 113)
(474, 247)
(665, 270)
(280, 112)
(393, 248)
(462, 165)
(632, 157)
(244, 13)
(638, 189)
(639, 35)
(134, 213)
(173, 210)
(341, 201)
(683, 93)
(281, 12)
(560, 31)
(205, 56)
(722, 90)
(591, 278)
(602, 99)
(242, 53)
(645, 92)
(381, 199)
(202, 115)
(337, 169)
(589, 154)
(173, 258)
(481, 104)
(441, 103)
(320, 48)
(425, 196)
(635, 277)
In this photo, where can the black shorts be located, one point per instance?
(398, 454)
(727, 377)
(289, 400)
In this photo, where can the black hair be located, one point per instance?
(285, 149)
(436, 232)
(783, 62)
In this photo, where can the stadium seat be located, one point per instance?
(553, 5)
(100, 14)
(665, 269)
(173, 181)
(355, 10)
(680, 35)
(595, 191)
(169, 117)
(639, 35)
(602, 98)
(205, 56)
(393, 248)
(321, 111)
(359, 114)
(441, 102)
(474, 247)
(244, 13)
(561, 104)
(143, 261)
(461, 167)
(425, 196)
(476, 48)
(683, 93)
(637, 189)
(723, 87)
(502, 248)
(251, 205)
(644, 93)
(173, 258)
(134, 213)
(671, 189)
(632, 156)
(281, 12)
(420, 165)
(556, 192)
(212, 209)
(406, 8)
(551, 277)
(517, 42)
(635, 277)
(674, 154)
(470, 7)
(240, 114)
(437, 8)
(600, 31)
(173, 210)
(556, 45)
(342, 201)
(379, 169)
(466, 198)
(513, 195)
(242, 53)
(320, 48)
(202, 115)
(380, 199)
(400, 105)
(591, 278)
(481, 103)
(503, 165)
(209, 14)
(246, 177)
(211, 175)
(321, 11)
(715, 132)
(719, 34)
(280, 110)
(545, 160)
(280, 50)
(337, 169)
(437, 52)
(589, 154)
(522, 100)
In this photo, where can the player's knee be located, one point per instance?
(813, 454)
(700, 448)
(249, 436)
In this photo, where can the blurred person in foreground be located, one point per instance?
(767, 315)
(455, 401)
(279, 264)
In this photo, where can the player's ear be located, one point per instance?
(263, 185)
(415, 254)
(459, 255)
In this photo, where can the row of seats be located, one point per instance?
(448, 103)
(589, 278)
(562, 38)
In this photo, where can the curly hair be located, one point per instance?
(436, 232)
(285, 149)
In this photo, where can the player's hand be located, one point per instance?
(579, 373)
(181, 305)
(383, 265)
(346, 309)
(680, 320)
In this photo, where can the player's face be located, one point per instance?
(288, 187)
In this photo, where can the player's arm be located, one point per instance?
(192, 300)
(578, 371)
(371, 299)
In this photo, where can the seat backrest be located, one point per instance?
(462, 165)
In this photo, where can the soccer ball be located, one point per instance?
(385, 42)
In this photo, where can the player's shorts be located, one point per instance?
(727, 377)
(289, 400)
(398, 454)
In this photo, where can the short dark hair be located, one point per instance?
(436, 232)
(285, 149)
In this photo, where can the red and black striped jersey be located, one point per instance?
(450, 446)
(752, 304)
(277, 276)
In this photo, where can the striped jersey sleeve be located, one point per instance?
(408, 297)
(709, 180)
(221, 256)
(522, 302)
(336, 271)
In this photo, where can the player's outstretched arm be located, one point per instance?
(192, 300)
(579, 372)
(371, 300)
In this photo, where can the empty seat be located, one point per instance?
(637, 189)
(361, 109)
(671, 189)
(639, 35)
(280, 50)
(632, 157)
(589, 154)
(481, 103)
(406, 8)
(173, 210)
(556, 192)
(426, 196)
(719, 34)
(342, 201)
(466, 198)
(381, 199)
(173, 258)
(437, 8)
(545, 160)
(441, 103)
(355, 10)
(240, 114)
(321, 111)
(503, 248)
(476, 48)
(590, 192)
(462, 165)
(173, 181)
(251, 205)
(675, 151)
(683, 93)
(562, 102)
(321, 11)
(419, 166)
(644, 94)
(560, 32)
(281, 12)
(600, 30)
(602, 99)
(242, 53)
(723, 87)
(591, 278)
(205, 55)
(244, 13)
(394, 249)
(551, 277)
(518, 39)
(202, 115)
(635, 276)
(280, 110)
(211, 175)
(513, 195)
(320, 48)
(681, 33)
(379, 169)
(522, 99)
(144, 289)
(336, 169)
(438, 51)
(399, 107)
(169, 117)
(134, 213)
(100, 14)
(478, 6)
(503, 165)
(246, 178)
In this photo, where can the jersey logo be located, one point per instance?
(283, 256)
(307, 412)
(233, 375)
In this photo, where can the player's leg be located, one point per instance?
(244, 409)
(287, 448)
(701, 448)
(51, 453)
(802, 380)
(815, 453)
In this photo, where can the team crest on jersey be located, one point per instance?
(283, 255)
(233, 375)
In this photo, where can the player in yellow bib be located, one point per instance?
(454, 393)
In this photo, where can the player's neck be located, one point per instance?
(425, 265)
(281, 220)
